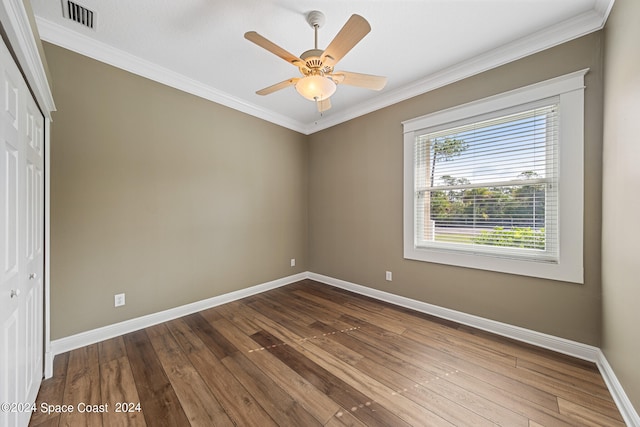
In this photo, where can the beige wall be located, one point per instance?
(621, 199)
(356, 207)
(164, 196)
(172, 199)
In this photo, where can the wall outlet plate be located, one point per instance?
(389, 276)
(118, 300)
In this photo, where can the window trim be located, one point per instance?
(570, 91)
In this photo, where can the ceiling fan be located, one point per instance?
(318, 81)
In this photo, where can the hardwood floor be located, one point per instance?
(308, 354)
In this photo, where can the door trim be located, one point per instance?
(21, 40)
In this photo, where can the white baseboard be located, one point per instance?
(628, 412)
(48, 364)
(560, 345)
(550, 342)
(93, 336)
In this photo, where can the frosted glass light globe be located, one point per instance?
(316, 88)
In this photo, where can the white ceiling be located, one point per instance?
(198, 45)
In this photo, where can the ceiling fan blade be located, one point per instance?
(273, 48)
(366, 81)
(324, 105)
(353, 31)
(278, 86)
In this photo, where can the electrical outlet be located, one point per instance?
(118, 300)
(293, 262)
(389, 276)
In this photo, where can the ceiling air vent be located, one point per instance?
(79, 14)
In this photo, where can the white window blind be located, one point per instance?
(489, 184)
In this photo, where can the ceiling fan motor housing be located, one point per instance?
(313, 63)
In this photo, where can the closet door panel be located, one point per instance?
(21, 243)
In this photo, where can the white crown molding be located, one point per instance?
(603, 7)
(84, 45)
(15, 22)
(578, 26)
(549, 37)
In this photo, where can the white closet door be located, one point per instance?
(21, 239)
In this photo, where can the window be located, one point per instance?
(497, 184)
(490, 185)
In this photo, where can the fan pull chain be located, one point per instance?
(317, 99)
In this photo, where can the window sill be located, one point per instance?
(570, 271)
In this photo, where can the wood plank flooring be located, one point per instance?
(308, 354)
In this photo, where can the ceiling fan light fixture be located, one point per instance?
(316, 87)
